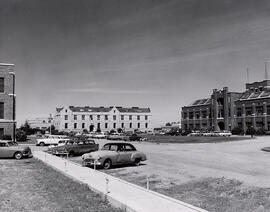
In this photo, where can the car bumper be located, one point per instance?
(91, 163)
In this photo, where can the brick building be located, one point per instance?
(225, 110)
(71, 118)
(7, 100)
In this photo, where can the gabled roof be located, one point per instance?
(134, 110)
(106, 109)
(58, 109)
(249, 95)
(201, 102)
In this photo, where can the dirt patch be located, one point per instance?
(29, 185)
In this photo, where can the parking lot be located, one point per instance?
(236, 173)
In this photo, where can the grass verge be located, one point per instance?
(29, 185)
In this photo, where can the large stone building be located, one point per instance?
(225, 110)
(7, 100)
(72, 118)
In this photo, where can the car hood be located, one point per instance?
(97, 154)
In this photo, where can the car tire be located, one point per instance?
(41, 144)
(107, 164)
(18, 155)
(71, 154)
(137, 161)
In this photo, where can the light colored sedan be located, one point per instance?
(114, 154)
(10, 149)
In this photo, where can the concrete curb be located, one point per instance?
(119, 193)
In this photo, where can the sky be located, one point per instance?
(162, 54)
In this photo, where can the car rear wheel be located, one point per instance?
(137, 161)
(42, 144)
(18, 155)
(71, 154)
(107, 164)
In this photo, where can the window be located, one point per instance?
(75, 125)
(129, 148)
(91, 117)
(83, 117)
(98, 117)
(1, 110)
(122, 125)
(146, 117)
(75, 117)
(83, 125)
(146, 125)
(239, 112)
(98, 125)
(66, 117)
(130, 125)
(114, 117)
(66, 125)
(138, 118)
(66, 111)
(106, 117)
(2, 85)
(114, 125)
(139, 125)
(130, 117)
(106, 125)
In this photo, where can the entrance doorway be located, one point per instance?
(221, 125)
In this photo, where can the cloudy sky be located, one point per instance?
(148, 53)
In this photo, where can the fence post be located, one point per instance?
(107, 185)
(147, 182)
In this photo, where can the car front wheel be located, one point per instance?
(107, 164)
(18, 155)
(137, 161)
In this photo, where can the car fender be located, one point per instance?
(140, 155)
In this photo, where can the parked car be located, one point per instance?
(114, 154)
(225, 133)
(117, 136)
(100, 135)
(72, 148)
(10, 149)
(135, 137)
(50, 141)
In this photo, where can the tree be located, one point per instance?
(119, 130)
(168, 124)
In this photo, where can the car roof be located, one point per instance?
(117, 143)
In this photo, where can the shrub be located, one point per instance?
(260, 132)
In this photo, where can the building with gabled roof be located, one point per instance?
(71, 118)
(226, 110)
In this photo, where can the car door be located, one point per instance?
(123, 155)
(5, 151)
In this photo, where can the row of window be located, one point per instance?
(75, 125)
(106, 117)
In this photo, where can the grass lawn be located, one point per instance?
(192, 139)
(29, 185)
(212, 194)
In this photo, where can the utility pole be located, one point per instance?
(247, 75)
(266, 71)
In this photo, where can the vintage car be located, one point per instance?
(50, 141)
(10, 149)
(72, 148)
(114, 154)
(118, 136)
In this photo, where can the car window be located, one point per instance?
(113, 147)
(121, 148)
(2, 144)
(130, 148)
(10, 144)
(106, 147)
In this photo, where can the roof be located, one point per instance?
(6, 64)
(134, 110)
(250, 95)
(200, 102)
(106, 109)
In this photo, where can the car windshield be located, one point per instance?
(12, 143)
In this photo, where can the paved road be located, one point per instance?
(242, 160)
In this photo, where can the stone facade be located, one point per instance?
(225, 110)
(71, 118)
(7, 100)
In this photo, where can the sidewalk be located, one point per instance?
(119, 192)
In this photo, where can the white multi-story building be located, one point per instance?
(70, 118)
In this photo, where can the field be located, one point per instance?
(29, 186)
(219, 177)
(192, 139)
